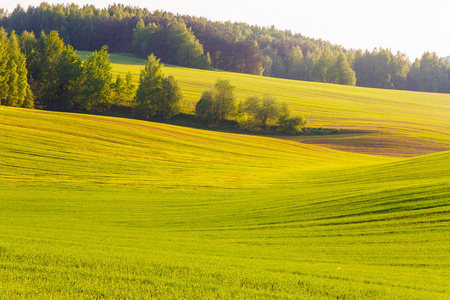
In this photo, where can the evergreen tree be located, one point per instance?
(17, 90)
(412, 80)
(4, 57)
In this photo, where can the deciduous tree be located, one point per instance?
(217, 104)
(156, 94)
(96, 93)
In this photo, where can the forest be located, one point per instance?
(201, 43)
(46, 73)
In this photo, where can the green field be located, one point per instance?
(101, 207)
(386, 122)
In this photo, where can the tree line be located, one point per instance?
(46, 73)
(238, 47)
(254, 114)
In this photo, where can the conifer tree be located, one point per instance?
(18, 92)
(3, 62)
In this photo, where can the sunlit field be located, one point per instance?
(100, 207)
(386, 122)
(96, 207)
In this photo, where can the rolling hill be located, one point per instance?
(384, 122)
(100, 207)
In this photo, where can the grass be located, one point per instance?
(390, 122)
(99, 207)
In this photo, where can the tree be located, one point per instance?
(55, 70)
(296, 66)
(430, 74)
(96, 93)
(278, 69)
(288, 124)
(170, 99)
(143, 37)
(70, 80)
(4, 57)
(217, 104)
(399, 70)
(156, 94)
(261, 111)
(123, 90)
(149, 89)
(267, 66)
(340, 72)
(204, 109)
(224, 99)
(319, 71)
(13, 74)
(247, 57)
(185, 49)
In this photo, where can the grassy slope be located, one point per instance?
(96, 207)
(394, 123)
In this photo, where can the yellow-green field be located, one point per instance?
(388, 122)
(98, 207)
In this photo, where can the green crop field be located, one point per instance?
(98, 207)
(386, 122)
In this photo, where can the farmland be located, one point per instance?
(386, 122)
(101, 207)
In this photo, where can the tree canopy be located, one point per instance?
(157, 94)
(217, 104)
(238, 47)
(14, 87)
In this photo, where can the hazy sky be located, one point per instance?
(411, 27)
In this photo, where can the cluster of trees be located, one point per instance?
(171, 41)
(14, 87)
(239, 47)
(254, 114)
(46, 73)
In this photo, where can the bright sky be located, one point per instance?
(409, 26)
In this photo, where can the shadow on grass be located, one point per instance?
(228, 126)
